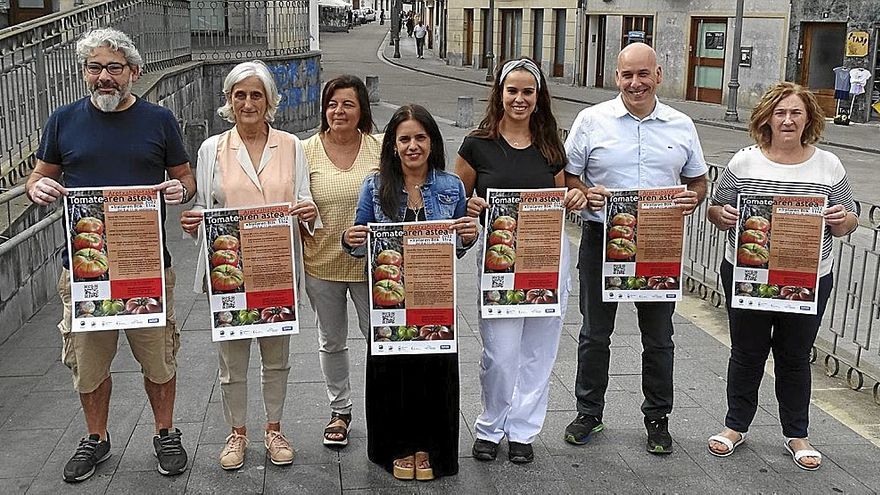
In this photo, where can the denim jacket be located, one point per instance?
(442, 194)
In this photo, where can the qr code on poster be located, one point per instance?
(90, 291)
(618, 269)
(751, 275)
(497, 282)
(227, 302)
(387, 318)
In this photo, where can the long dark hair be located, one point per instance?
(542, 123)
(365, 124)
(390, 168)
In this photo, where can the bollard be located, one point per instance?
(373, 88)
(465, 112)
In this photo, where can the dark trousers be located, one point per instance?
(655, 325)
(420, 46)
(753, 334)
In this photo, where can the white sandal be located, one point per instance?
(730, 444)
(796, 456)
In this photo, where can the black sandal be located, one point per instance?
(335, 428)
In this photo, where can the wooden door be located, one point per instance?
(823, 50)
(484, 26)
(706, 59)
(586, 44)
(25, 10)
(468, 57)
(600, 52)
(559, 43)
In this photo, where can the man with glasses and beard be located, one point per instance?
(113, 138)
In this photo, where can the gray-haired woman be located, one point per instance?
(249, 165)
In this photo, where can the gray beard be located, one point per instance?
(108, 103)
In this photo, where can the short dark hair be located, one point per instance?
(365, 124)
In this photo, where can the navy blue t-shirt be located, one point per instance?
(99, 149)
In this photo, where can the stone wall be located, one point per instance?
(29, 272)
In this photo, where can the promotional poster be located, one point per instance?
(522, 248)
(644, 240)
(778, 250)
(251, 271)
(117, 273)
(412, 288)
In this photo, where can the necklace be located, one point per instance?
(526, 140)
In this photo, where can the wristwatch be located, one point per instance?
(184, 198)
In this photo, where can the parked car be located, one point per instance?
(369, 14)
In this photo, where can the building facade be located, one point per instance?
(825, 35)
(579, 43)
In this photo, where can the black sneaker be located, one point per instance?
(90, 453)
(579, 431)
(659, 439)
(520, 453)
(169, 451)
(484, 450)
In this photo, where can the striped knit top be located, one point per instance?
(750, 172)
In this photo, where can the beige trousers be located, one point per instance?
(275, 366)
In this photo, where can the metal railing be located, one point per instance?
(846, 334)
(247, 29)
(38, 69)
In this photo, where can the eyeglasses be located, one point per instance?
(113, 68)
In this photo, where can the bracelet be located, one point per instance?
(183, 198)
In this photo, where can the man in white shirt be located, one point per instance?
(630, 142)
(420, 32)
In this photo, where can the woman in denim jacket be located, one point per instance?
(412, 401)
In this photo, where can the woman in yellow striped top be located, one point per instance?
(340, 155)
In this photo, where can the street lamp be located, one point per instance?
(733, 85)
(396, 8)
(490, 39)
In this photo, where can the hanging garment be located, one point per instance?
(841, 83)
(857, 79)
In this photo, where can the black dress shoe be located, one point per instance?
(484, 450)
(520, 453)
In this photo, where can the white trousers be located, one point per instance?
(329, 300)
(518, 357)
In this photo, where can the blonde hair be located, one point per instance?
(241, 72)
(759, 124)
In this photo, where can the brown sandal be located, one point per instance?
(404, 468)
(338, 425)
(423, 473)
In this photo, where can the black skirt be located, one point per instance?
(412, 405)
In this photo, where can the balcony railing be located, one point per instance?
(248, 29)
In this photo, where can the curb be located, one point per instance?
(706, 122)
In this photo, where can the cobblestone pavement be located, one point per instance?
(41, 420)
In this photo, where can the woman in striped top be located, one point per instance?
(340, 155)
(785, 124)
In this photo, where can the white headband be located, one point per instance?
(522, 63)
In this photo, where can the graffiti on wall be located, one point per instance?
(298, 82)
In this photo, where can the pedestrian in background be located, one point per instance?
(786, 124)
(412, 401)
(410, 24)
(516, 146)
(340, 155)
(250, 165)
(420, 32)
(630, 142)
(81, 146)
